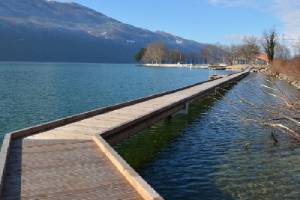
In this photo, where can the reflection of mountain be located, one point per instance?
(40, 30)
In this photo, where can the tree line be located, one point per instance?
(247, 50)
(157, 53)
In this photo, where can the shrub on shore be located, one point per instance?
(290, 67)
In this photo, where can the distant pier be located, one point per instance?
(179, 65)
(71, 158)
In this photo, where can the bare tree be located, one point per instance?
(155, 53)
(231, 53)
(250, 49)
(269, 43)
(280, 111)
(211, 54)
(219, 54)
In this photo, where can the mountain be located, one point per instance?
(45, 30)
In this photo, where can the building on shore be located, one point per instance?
(262, 59)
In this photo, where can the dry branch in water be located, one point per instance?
(278, 110)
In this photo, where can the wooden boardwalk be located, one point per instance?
(62, 169)
(67, 160)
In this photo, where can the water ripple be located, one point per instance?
(216, 156)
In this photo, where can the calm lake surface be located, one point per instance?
(32, 93)
(210, 153)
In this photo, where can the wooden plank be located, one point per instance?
(145, 190)
(53, 170)
(3, 158)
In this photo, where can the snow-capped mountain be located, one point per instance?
(46, 30)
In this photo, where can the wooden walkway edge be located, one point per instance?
(103, 127)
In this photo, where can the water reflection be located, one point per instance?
(33, 93)
(211, 153)
(143, 147)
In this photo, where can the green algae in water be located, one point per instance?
(205, 157)
(142, 148)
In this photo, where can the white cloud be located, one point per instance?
(287, 11)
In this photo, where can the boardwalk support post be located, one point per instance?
(185, 109)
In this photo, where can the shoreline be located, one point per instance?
(280, 76)
(286, 78)
(197, 66)
(255, 68)
(177, 65)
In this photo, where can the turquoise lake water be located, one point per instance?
(207, 154)
(32, 93)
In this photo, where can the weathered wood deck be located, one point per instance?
(69, 159)
(62, 169)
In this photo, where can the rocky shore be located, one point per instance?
(267, 71)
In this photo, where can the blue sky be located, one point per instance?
(211, 21)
